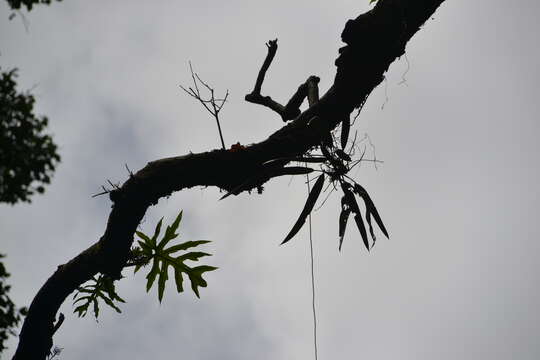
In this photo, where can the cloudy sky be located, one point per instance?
(458, 189)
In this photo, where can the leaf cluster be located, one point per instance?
(100, 288)
(336, 163)
(28, 156)
(162, 257)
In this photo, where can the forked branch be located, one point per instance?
(213, 105)
(292, 109)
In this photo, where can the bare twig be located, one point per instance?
(213, 105)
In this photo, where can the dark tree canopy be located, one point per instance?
(9, 314)
(28, 156)
(16, 4)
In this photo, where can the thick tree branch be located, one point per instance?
(255, 96)
(374, 40)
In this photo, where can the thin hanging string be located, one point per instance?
(312, 279)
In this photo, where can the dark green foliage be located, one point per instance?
(100, 287)
(16, 4)
(28, 157)
(162, 257)
(9, 314)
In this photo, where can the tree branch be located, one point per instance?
(374, 40)
(292, 109)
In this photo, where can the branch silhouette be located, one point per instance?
(373, 41)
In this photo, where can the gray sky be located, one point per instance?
(458, 189)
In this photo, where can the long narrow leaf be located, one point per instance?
(290, 170)
(342, 155)
(345, 128)
(300, 159)
(178, 280)
(343, 218)
(370, 207)
(362, 228)
(186, 245)
(193, 256)
(351, 201)
(156, 232)
(310, 202)
(248, 184)
(163, 277)
(174, 226)
(371, 232)
(151, 277)
(143, 236)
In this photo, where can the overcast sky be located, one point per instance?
(458, 189)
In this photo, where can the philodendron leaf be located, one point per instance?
(310, 202)
(100, 288)
(163, 257)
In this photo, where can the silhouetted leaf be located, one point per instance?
(371, 232)
(301, 159)
(291, 170)
(343, 155)
(310, 202)
(370, 207)
(326, 153)
(248, 184)
(362, 229)
(343, 218)
(345, 129)
(351, 201)
(279, 162)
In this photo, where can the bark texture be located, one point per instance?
(373, 41)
